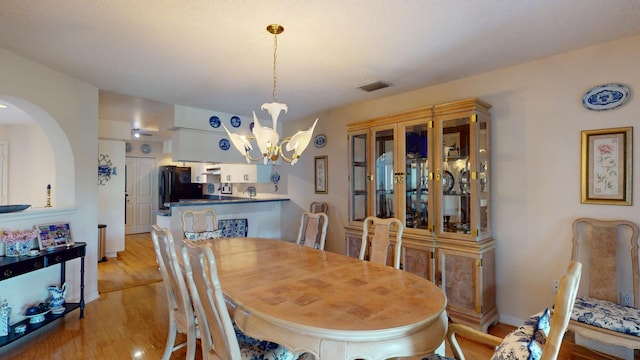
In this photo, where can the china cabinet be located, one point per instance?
(429, 167)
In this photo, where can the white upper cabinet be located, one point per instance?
(204, 146)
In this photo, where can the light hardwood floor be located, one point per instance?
(130, 319)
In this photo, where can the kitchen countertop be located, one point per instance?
(214, 201)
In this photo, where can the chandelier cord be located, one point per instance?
(275, 62)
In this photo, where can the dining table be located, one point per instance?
(328, 304)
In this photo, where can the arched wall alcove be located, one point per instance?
(63, 194)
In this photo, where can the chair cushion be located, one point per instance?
(233, 227)
(251, 348)
(607, 315)
(203, 235)
(540, 334)
(516, 344)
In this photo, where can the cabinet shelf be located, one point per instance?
(11, 267)
(48, 318)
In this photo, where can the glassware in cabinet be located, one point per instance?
(416, 174)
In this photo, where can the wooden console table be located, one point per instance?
(15, 266)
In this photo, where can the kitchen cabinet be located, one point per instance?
(429, 167)
(238, 173)
(245, 173)
(203, 146)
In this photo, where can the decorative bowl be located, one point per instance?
(37, 318)
(19, 329)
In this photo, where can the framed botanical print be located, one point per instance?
(320, 175)
(606, 171)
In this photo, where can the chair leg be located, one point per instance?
(171, 339)
(191, 344)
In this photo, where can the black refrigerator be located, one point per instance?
(174, 184)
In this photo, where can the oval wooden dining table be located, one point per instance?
(328, 304)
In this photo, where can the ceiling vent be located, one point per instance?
(374, 86)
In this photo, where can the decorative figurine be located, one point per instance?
(48, 195)
(5, 314)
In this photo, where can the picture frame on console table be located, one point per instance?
(320, 174)
(606, 166)
(51, 236)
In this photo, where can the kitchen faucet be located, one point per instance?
(251, 190)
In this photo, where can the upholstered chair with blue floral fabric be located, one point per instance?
(540, 337)
(607, 308)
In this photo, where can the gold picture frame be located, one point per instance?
(320, 174)
(606, 166)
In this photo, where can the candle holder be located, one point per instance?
(48, 196)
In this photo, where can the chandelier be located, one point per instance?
(268, 139)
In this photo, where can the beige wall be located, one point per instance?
(537, 117)
(30, 165)
(67, 111)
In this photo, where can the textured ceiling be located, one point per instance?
(218, 55)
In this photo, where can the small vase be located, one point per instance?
(18, 248)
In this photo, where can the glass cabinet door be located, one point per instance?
(482, 179)
(415, 184)
(463, 198)
(359, 177)
(385, 175)
(455, 175)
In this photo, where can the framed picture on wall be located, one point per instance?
(320, 175)
(51, 236)
(606, 171)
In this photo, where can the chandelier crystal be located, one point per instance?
(267, 138)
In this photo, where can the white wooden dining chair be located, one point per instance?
(200, 224)
(222, 340)
(319, 207)
(313, 229)
(380, 240)
(541, 335)
(181, 316)
(608, 306)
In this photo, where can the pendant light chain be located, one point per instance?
(275, 62)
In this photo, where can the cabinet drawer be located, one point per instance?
(62, 256)
(22, 267)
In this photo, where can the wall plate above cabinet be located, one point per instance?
(605, 97)
(320, 140)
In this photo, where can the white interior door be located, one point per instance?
(140, 187)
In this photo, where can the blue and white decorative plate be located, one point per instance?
(13, 208)
(145, 148)
(605, 97)
(235, 121)
(320, 140)
(214, 121)
(224, 144)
